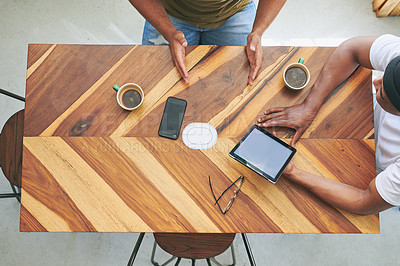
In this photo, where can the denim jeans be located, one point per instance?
(233, 32)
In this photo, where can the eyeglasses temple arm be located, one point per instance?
(241, 177)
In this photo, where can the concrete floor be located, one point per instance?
(300, 22)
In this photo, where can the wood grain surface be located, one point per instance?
(148, 185)
(11, 148)
(89, 165)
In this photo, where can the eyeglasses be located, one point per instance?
(229, 205)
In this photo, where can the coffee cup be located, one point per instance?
(296, 75)
(129, 96)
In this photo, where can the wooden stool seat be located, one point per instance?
(11, 148)
(194, 246)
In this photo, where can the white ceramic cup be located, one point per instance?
(301, 65)
(123, 89)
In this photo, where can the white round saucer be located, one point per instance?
(199, 136)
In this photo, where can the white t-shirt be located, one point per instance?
(387, 126)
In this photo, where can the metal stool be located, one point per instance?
(192, 246)
(11, 149)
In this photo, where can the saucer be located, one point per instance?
(199, 136)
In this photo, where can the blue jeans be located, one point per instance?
(233, 32)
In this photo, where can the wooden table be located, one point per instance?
(89, 165)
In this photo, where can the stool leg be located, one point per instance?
(12, 95)
(15, 194)
(18, 195)
(215, 262)
(233, 256)
(9, 195)
(248, 249)
(136, 249)
(219, 264)
(153, 254)
(171, 259)
(178, 261)
(19, 192)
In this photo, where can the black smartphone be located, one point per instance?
(172, 118)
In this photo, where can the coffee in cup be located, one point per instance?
(129, 96)
(296, 75)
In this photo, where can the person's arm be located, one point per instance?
(338, 194)
(339, 66)
(154, 12)
(267, 10)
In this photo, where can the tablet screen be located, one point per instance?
(263, 153)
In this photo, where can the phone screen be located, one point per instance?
(172, 118)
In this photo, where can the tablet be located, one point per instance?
(263, 153)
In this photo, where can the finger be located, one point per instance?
(179, 60)
(256, 65)
(182, 70)
(274, 123)
(254, 69)
(274, 110)
(183, 73)
(250, 81)
(295, 138)
(252, 77)
(270, 116)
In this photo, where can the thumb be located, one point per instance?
(181, 39)
(253, 43)
(295, 138)
(184, 42)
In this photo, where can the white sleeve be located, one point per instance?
(388, 184)
(383, 50)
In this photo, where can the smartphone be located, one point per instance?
(172, 118)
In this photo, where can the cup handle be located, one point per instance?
(116, 87)
(301, 60)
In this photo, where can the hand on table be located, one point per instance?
(298, 117)
(289, 167)
(255, 56)
(177, 46)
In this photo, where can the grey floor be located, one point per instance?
(310, 22)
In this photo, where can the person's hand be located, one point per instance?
(289, 169)
(255, 56)
(298, 117)
(177, 46)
